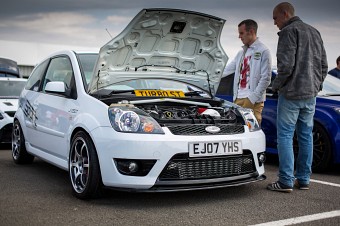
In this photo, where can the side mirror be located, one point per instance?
(55, 87)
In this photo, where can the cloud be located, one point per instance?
(48, 22)
(57, 27)
(117, 20)
(87, 22)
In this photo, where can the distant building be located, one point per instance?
(25, 70)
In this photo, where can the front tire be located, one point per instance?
(19, 152)
(84, 167)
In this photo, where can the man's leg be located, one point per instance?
(304, 131)
(287, 114)
(258, 107)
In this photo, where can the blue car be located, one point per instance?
(326, 131)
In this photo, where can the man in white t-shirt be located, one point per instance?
(252, 69)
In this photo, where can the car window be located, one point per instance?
(331, 86)
(226, 86)
(87, 63)
(11, 88)
(9, 68)
(35, 78)
(59, 69)
(3, 74)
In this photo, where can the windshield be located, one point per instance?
(87, 63)
(11, 88)
(331, 86)
(152, 84)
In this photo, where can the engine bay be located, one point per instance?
(192, 114)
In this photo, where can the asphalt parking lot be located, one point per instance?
(40, 194)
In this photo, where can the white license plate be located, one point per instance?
(216, 148)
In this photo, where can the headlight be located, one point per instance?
(250, 119)
(337, 110)
(133, 120)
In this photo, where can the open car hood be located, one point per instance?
(164, 43)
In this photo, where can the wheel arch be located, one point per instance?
(93, 187)
(74, 132)
(330, 126)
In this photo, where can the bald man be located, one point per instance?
(302, 68)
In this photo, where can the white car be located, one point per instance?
(10, 89)
(141, 115)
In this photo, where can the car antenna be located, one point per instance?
(108, 32)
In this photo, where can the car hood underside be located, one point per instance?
(184, 45)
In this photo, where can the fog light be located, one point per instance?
(127, 167)
(261, 157)
(133, 167)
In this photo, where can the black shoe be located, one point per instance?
(278, 186)
(301, 186)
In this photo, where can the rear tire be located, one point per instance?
(19, 152)
(84, 169)
(322, 149)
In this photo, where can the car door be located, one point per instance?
(53, 116)
(29, 102)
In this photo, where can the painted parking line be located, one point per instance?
(324, 182)
(303, 219)
(308, 218)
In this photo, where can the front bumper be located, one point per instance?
(199, 185)
(170, 150)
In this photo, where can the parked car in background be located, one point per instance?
(326, 131)
(143, 116)
(9, 68)
(10, 89)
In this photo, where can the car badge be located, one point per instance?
(212, 129)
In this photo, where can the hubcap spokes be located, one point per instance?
(79, 165)
(16, 141)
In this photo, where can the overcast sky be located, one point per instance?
(87, 22)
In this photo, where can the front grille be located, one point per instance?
(181, 167)
(200, 129)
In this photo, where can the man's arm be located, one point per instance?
(286, 51)
(265, 77)
(231, 67)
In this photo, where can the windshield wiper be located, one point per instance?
(122, 91)
(194, 93)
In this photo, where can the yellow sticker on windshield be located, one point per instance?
(159, 93)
